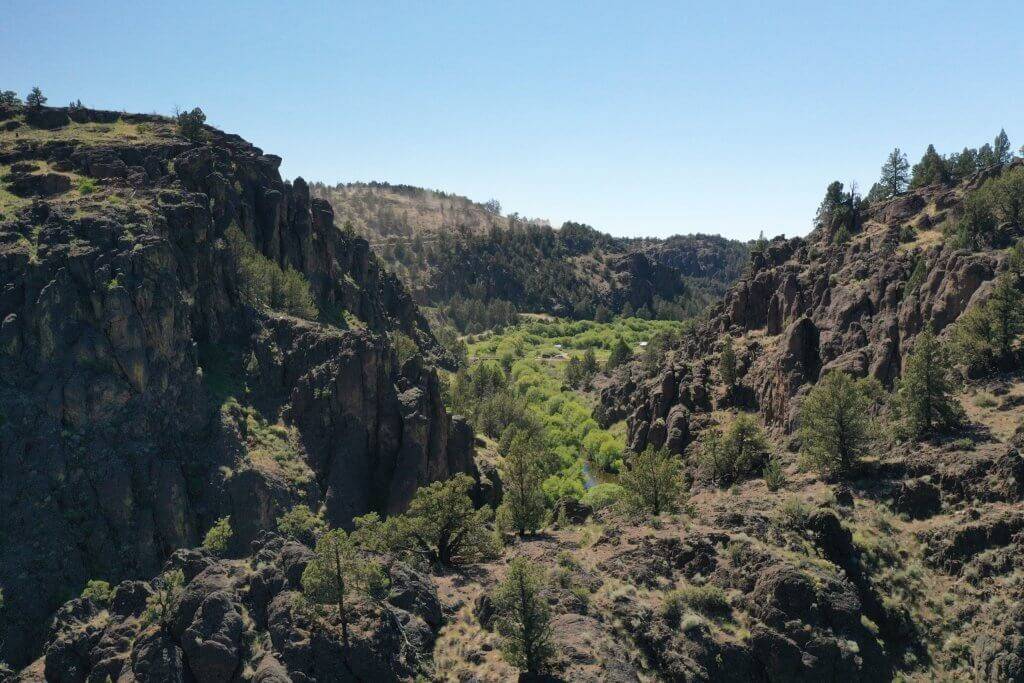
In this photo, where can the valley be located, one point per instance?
(257, 430)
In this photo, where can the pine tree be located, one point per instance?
(931, 169)
(1001, 149)
(35, 99)
(524, 618)
(924, 394)
(9, 98)
(835, 424)
(590, 366)
(895, 176)
(1006, 310)
(522, 506)
(652, 482)
(336, 572)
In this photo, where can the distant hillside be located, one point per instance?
(482, 267)
(380, 210)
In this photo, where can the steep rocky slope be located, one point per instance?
(446, 246)
(141, 397)
(808, 305)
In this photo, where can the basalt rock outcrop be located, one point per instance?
(142, 397)
(235, 620)
(807, 306)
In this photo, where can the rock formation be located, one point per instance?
(141, 398)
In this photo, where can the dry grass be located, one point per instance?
(90, 133)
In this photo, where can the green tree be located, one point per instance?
(163, 601)
(1006, 311)
(1001, 148)
(9, 98)
(441, 525)
(727, 364)
(620, 354)
(99, 592)
(590, 366)
(523, 618)
(930, 170)
(301, 524)
(336, 572)
(522, 474)
(740, 451)
(218, 538)
(405, 347)
(35, 99)
(190, 123)
(652, 481)
(895, 174)
(574, 372)
(836, 427)
(924, 396)
(976, 227)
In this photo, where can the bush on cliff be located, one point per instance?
(264, 284)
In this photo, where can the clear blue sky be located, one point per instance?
(638, 118)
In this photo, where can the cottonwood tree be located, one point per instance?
(924, 396)
(652, 482)
(836, 427)
(895, 174)
(523, 618)
(522, 474)
(337, 572)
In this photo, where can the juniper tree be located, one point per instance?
(620, 354)
(442, 526)
(522, 506)
(35, 99)
(835, 424)
(740, 451)
(1006, 310)
(727, 363)
(336, 572)
(924, 396)
(523, 618)
(652, 481)
(9, 98)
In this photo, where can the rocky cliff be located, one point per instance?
(809, 305)
(142, 396)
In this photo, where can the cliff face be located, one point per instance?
(807, 306)
(141, 398)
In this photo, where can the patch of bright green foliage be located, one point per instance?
(516, 379)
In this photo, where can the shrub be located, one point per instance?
(301, 524)
(86, 186)
(728, 458)
(162, 603)
(218, 538)
(774, 477)
(190, 123)
(793, 513)
(707, 600)
(602, 495)
(99, 592)
(264, 284)
(405, 347)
